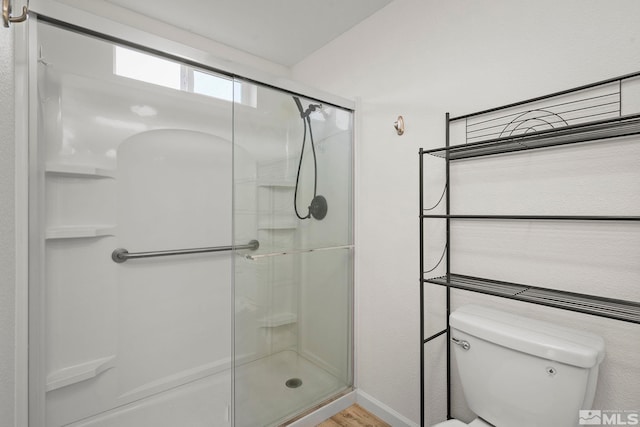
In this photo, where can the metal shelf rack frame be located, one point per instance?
(584, 114)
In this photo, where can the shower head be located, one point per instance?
(310, 109)
(318, 207)
(314, 107)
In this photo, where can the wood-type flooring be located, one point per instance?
(354, 416)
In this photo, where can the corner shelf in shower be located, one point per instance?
(79, 231)
(278, 223)
(74, 374)
(278, 319)
(80, 171)
(276, 183)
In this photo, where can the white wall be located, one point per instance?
(7, 251)
(422, 58)
(230, 56)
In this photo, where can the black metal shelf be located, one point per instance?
(585, 114)
(539, 217)
(584, 132)
(627, 311)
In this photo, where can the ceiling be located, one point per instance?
(282, 31)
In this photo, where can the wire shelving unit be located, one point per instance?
(583, 115)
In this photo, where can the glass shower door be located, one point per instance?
(293, 295)
(133, 152)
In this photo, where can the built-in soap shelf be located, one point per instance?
(80, 231)
(278, 319)
(276, 183)
(274, 222)
(80, 171)
(78, 373)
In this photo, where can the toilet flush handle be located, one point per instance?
(462, 343)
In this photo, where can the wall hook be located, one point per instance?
(6, 14)
(399, 125)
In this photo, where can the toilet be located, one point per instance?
(521, 372)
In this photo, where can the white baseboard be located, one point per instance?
(382, 411)
(326, 412)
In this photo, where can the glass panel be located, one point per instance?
(128, 162)
(293, 306)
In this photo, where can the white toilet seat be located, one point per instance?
(457, 423)
(451, 423)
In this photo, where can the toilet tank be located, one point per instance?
(524, 372)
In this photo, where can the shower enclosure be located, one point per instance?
(171, 281)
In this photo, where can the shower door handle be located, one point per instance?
(121, 255)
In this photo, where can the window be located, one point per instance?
(163, 72)
(147, 68)
(211, 85)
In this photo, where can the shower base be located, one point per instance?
(262, 397)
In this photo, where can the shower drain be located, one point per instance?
(293, 382)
